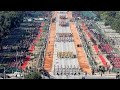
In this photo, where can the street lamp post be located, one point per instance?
(16, 59)
(4, 72)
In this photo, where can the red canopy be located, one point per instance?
(103, 60)
(40, 30)
(35, 41)
(42, 24)
(83, 23)
(96, 48)
(89, 35)
(32, 48)
(25, 62)
(38, 36)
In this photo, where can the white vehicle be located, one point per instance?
(29, 19)
(78, 18)
(46, 18)
(17, 73)
(32, 56)
(38, 19)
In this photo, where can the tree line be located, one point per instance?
(111, 18)
(8, 21)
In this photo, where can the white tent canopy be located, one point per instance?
(39, 19)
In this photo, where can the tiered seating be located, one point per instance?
(94, 42)
(19, 39)
(115, 60)
(105, 48)
(11, 61)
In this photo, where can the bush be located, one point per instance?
(106, 23)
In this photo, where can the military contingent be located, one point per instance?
(64, 37)
(67, 70)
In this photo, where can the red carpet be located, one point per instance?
(103, 60)
(96, 48)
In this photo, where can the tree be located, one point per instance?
(116, 25)
(6, 22)
(111, 18)
(33, 75)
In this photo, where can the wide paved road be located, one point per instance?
(63, 47)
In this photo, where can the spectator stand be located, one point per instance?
(19, 39)
(115, 63)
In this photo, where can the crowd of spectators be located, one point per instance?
(16, 44)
